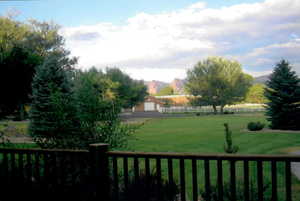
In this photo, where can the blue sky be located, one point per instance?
(77, 12)
(162, 39)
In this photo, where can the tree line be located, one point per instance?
(69, 108)
(217, 81)
(25, 46)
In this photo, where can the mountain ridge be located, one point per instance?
(154, 86)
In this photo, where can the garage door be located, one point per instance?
(149, 106)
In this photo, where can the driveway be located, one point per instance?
(135, 115)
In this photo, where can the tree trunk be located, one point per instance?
(215, 109)
(222, 109)
(21, 112)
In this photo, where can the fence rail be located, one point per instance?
(191, 161)
(207, 109)
(117, 175)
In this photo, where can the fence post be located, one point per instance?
(100, 170)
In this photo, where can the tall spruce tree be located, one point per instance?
(283, 93)
(52, 122)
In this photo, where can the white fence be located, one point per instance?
(245, 108)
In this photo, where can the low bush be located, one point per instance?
(227, 112)
(149, 189)
(227, 195)
(255, 126)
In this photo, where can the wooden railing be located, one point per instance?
(232, 161)
(198, 176)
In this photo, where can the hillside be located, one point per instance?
(261, 79)
(155, 86)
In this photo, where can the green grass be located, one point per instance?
(15, 127)
(205, 134)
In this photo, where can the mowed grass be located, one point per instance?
(205, 134)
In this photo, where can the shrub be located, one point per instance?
(227, 112)
(229, 147)
(253, 192)
(146, 189)
(255, 126)
(73, 113)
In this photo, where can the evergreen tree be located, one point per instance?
(52, 122)
(283, 93)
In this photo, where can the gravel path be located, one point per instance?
(296, 166)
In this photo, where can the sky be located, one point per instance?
(162, 39)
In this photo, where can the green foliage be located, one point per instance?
(73, 113)
(52, 110)
(18, 65)
(23, 47)
(255, 126)
(145, 188)
(283, 94)
(94, 97)
(256, 94)
(97, 110)
(227, 195)
(217, 81)
(130, 92)
(229, 147)
(12, 33)
(168, 90)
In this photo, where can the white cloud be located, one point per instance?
(255, 34)
(269, 55)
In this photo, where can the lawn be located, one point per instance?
(205, 134)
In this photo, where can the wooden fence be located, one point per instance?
(110, 174)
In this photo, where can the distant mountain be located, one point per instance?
(261, 79)
(178, 86)
(155, 86)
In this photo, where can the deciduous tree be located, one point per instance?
(256, 94)
(130, 92)
(24, 46)
(217, 81)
